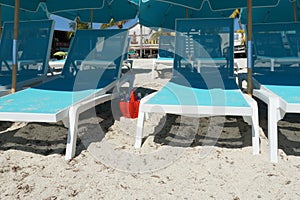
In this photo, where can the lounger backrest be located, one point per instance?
(294, 43)
(34, 43)
(206, 39)
(276, 39)
(166, 46)
(269, 44)
(96, 49)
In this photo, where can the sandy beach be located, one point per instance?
(178, 159)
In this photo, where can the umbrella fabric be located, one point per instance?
(283, 12)
(196, 4)
(161, 14)
(221, 4)
(116, 9)
(7, 14)
(56, 5)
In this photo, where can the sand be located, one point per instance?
(178, 160)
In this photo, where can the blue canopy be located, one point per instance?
(55, 5)
(285, 11)
(221, 4)
(7, 14)
(156, 14)
(116, 9)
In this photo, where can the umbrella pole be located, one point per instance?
(186, 13)
(91, 18)
(249, 49)
(0, 20)
(15, 46)
(141, 41)
(295, 10)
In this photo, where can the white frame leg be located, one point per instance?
(139, 130)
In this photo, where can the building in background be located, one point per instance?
(142, 34)
(60, 42)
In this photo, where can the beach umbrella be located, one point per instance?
(49, 6)
(285, 11)
(218, 5)
(116, 9)
(157, 14)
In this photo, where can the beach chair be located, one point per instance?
(34, 44)
(165, 54)
(213, 92)
(279, 88)
(91, 71)
(270, 46)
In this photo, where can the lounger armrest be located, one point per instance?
(270, 99)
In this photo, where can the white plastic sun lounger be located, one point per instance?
(209, 93)
(79, 87)
(280, 90)
(34, 45)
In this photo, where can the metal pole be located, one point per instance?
(295, 10)
(0, 20)
(186, 13)
(141, 40)
(249, 49)
(15, 47)
(91, 18)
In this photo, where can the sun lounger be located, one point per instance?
(213, 92)
(34, 45)
(279, 88)
(91, 71)
(165, 54)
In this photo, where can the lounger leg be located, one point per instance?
(139, 130)
(72, 133)
(272, 131)
(253, 120)
(255, 131)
